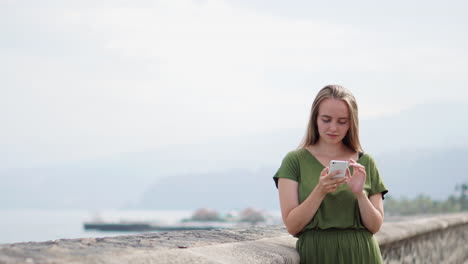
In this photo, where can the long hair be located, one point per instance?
(351, 140)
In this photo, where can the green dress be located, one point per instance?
(335, 234)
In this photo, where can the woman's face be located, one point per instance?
(332, 120)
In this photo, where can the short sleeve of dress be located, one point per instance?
(289, 168)
(377, 184)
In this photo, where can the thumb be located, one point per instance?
(324, 171)
(348, 172)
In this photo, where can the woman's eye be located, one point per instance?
(342, 123)
(326, 120)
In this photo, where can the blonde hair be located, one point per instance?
(351, 140)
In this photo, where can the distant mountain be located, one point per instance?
(90, 187)
(431, 135)
(406, 174)
(225, 190)
(428, 126)
(433, 172)
(119, 181)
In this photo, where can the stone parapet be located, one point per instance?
(409, 241)
(437, 239)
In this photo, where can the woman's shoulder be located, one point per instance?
(295, 154)
(366, 159)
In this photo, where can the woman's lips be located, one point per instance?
(333, 136)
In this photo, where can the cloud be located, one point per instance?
(100, 77)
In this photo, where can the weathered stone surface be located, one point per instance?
(442, 238)
(135, 248)
(396, 231)
(445, 245)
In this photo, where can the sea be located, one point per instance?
(43, 225)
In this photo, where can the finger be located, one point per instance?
(356, 165)
(324, 171)
(331, 187)
(360, 169)
(363, 170)
(340, 181)
(348, 172)
(334, 173)
(331, 183)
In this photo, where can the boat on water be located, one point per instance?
(118, 226)
(147, 226)
(202, 219)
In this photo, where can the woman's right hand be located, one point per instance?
(327, 184)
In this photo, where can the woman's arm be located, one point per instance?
(296, 216)
(371, 209)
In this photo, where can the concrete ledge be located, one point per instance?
(255, 245)
(396, 231)
(440, 239)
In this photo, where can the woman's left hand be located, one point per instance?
(357, 180)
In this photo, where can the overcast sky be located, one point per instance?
(83, 79)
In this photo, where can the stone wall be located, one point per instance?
(441, 239)
(438, 239)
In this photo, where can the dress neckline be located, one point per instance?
(360, 155)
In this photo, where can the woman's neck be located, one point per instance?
(332, 150)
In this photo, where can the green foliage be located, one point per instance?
(423, 204)
(463, 188)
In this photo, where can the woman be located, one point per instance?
(334, 219)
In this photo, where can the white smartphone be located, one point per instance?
(340, 165)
